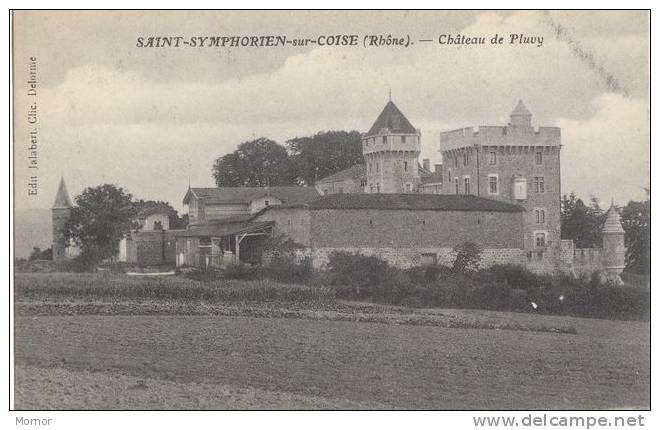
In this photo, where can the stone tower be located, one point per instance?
(515, 163)
(61, 211)
(614, 251)
(391, 151)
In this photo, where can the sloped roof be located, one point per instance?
(154, 209)
(392, 119)
(353, 172)
(440, 202)
(520, 110)
(62, 199)
(222, 229)
(244, 195)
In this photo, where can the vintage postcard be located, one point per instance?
(371, 210)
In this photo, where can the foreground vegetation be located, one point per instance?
(357, 278)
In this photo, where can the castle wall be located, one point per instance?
(384, 228)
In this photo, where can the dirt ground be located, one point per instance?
(223, 362)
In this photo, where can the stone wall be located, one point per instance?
(387, 228)
(410, 257)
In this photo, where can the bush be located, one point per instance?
(241, 271)
(283, 268)
(356, 270)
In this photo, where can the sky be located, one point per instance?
(154, 120)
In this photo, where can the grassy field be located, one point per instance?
(185, 361)
(106, 341)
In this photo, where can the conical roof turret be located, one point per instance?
(62, 199)
(613, 222)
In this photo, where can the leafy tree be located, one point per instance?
(101, 217)
(325, 153)
(176, 221)
(581, 223)
(256, 163)
(468, 257)
(636, 221)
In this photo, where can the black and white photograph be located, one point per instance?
(371, 210)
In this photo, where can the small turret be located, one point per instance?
(61, 211)
(521, 116)
(614, 251)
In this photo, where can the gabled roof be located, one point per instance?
(244, 195)
(392, 119)
(153, 209)
(439, 202)
(354, 172)
(521, 110)
(62, 199)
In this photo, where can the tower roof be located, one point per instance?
(392, 119)
(613, 222)
(521, 110)
(62, 199)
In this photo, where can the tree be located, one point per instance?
(100, 219)
(256, 163)
(468, 257)
(581, 223)
(636, 221)
(325, 153)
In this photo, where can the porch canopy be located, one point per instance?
(231, 233)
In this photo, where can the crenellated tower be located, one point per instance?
(391, 151)
(61, 211)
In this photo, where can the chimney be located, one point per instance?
(426, 163)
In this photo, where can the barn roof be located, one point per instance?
(440, 202)
(244, 195)
(353, 172)
(392, 119)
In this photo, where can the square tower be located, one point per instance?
(391, 151)
(516, 164)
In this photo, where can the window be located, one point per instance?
(408, 188)
(492, 159)
(363, 182)
(539, 184)
(539, 214)
(456, 184)
(405, 166)
(384, 139)
(456, 161)
(539, 157)
(449, 176)
(371, 188)
(429, 259)
(325, 192)
(204, 242)
(266, 203)
(288, 222)
(493, 184)
(158, 225)
(466, 184)
(403, 139)
(377, 166)
(540, 239)
(466, 158)
(378, 187)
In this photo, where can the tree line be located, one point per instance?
(301, 161)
